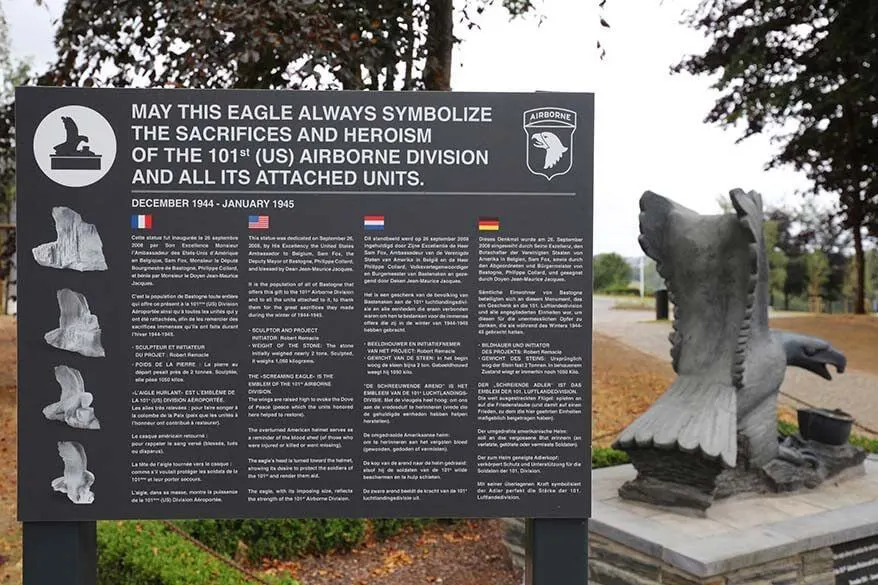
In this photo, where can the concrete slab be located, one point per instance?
(741, 532)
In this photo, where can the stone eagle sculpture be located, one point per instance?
(78, 329)
(714, 431)
(72, 139)
(77, 479)
(77, 247)
(75, 406)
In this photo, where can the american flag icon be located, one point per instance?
(257, 222)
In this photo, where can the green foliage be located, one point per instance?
(148, 553)
(870, 445)
(610, 271)
(850, 276)
(387, 527)
(289, 538)
(623, 290)
(12, 73)
(786, 429)
(803, 69)
(817, 269)
(651, 277)
(872, 272)
(607, 457)
(321, 44)
(777, 259)
(277, 539)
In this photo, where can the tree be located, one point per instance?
(320, 44)
(818, 271)
(818, 229)
(850, 280)
(777, 260)
(652, 279)
(793, 248)
(10, 74)
(872, 273)
(7, 120)
(610, 271)
(807, 70)
(776, 255)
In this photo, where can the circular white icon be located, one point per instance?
(75, 146)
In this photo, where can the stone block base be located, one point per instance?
(823, 536)
(613, 563)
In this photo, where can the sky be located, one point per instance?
(649, 128)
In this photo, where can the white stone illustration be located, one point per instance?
(78, 329)
(78, 246)
(74, 408)
(77, 479)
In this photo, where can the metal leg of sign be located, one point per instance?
(60, 553)
(557, 552)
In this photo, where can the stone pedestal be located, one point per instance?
(824, 536)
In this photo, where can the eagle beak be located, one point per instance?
(818, 361)
(538, 141)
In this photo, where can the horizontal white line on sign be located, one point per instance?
(244, 192)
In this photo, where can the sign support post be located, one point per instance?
(61, 553)
(557, 552)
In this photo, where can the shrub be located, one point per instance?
(286, 539)
(609, 270)
(621, 290)
(870, 445)
(281, 539)
(148, 553)
(387, 527)
(607, 457)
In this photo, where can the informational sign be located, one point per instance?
(303, 304)
(856, 562)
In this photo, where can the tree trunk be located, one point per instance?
(860, 258)
(440, 43)
(410, 46)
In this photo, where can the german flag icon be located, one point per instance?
(489, 224)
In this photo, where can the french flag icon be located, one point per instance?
(141, 222)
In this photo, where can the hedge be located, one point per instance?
(624, 291)
(149, 553)
(286, 539)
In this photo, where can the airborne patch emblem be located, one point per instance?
(549, 141)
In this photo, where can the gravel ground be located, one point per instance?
(467, 553)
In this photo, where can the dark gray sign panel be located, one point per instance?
(303, 304)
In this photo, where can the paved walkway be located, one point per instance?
(855, 392)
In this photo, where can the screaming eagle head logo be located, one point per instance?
(550, 141)
(553, 147)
